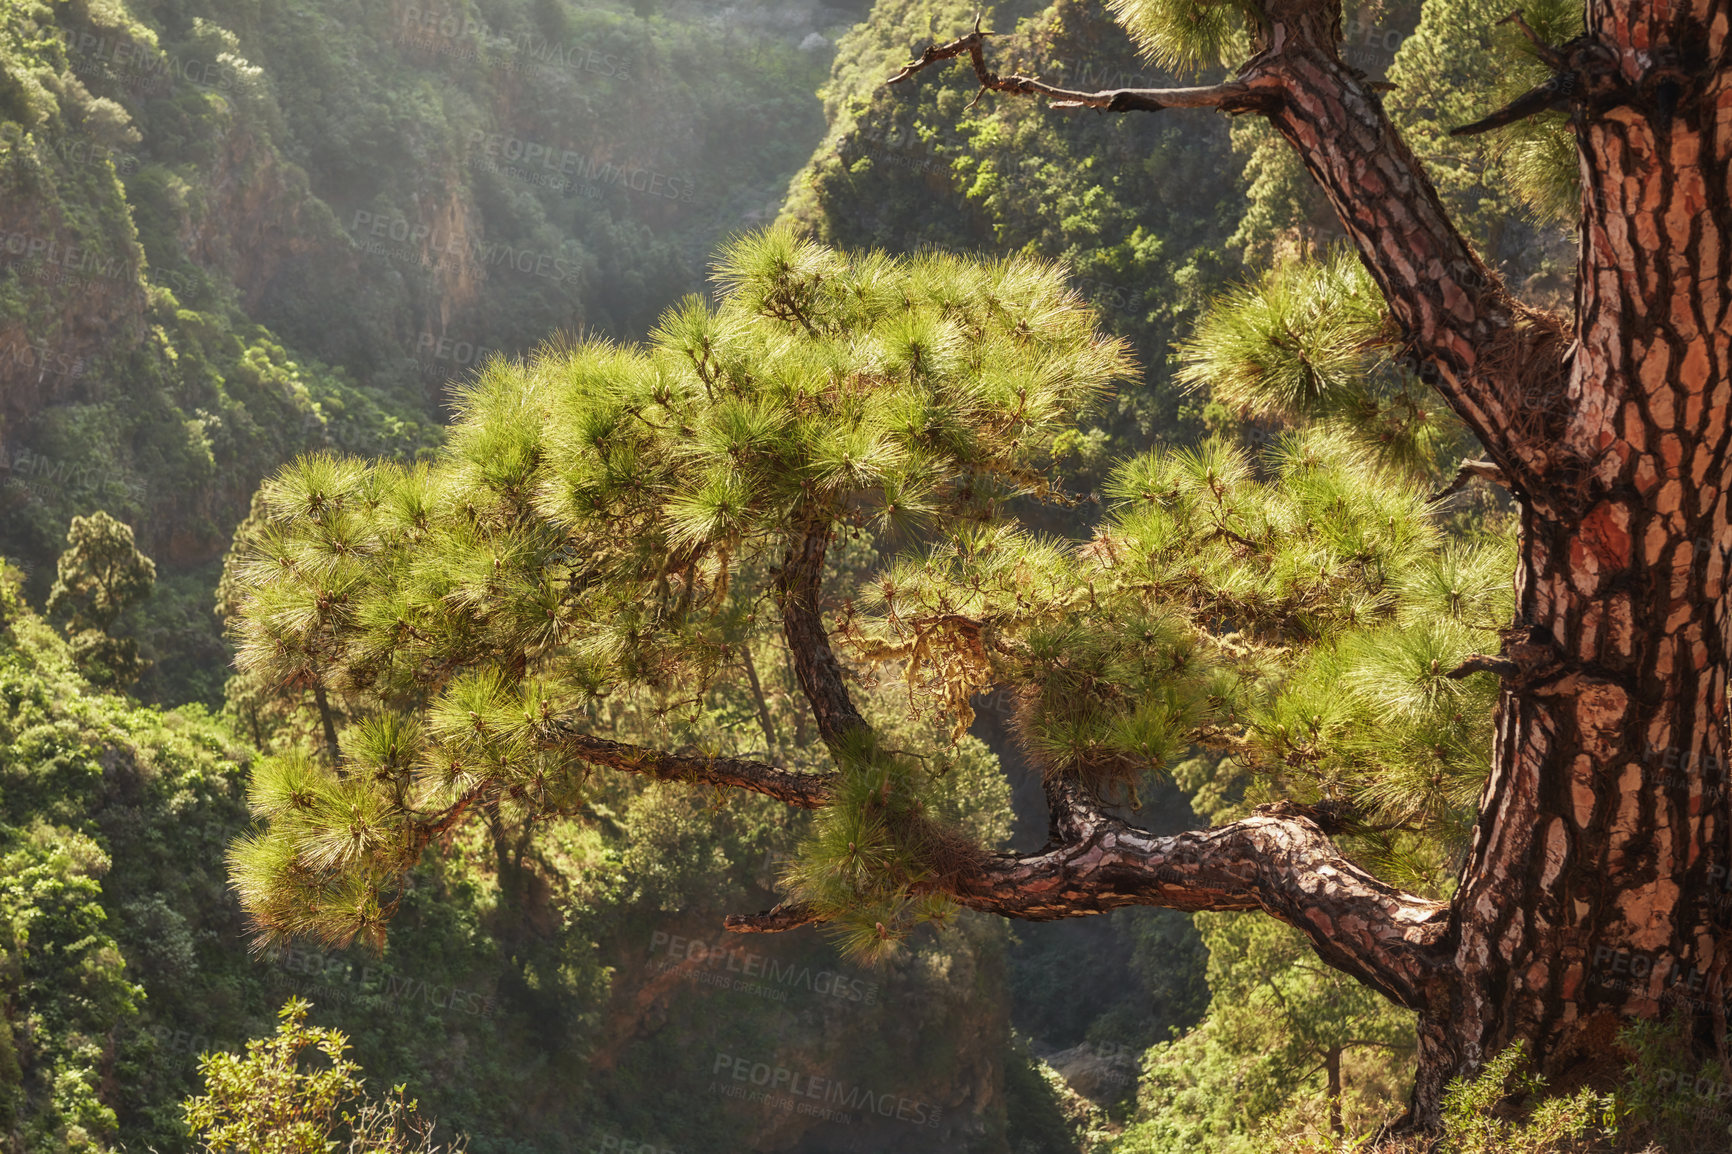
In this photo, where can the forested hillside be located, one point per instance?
(236, 234)
(232, 235)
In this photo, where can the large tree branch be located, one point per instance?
(803, 790)
(1500, 366)
(1278, 861)
(1283, 866)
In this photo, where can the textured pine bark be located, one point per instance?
(1596, 890)
(1281, 865)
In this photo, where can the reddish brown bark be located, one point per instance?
(1596, 888)
(798, 588)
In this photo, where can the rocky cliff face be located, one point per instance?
(70, 264)
(227, 237)
(253, 211)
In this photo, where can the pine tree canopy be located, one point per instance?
(606, 520)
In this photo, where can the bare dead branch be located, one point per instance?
(1479, 347)
(1484, 663)
(1553, 93)
(1469, 471)
(1234, 96)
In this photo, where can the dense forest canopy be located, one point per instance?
(1105, 627)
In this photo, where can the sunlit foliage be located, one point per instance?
(590, 524)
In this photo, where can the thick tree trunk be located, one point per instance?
(1597, 890)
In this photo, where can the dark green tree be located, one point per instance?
(101, 573)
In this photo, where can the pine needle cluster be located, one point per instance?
(598, 515)
(1302, 612)
(1190, 34)
(1313, 341)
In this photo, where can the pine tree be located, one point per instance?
(1593, 890)
(600, 513)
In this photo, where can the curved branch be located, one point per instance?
(1231, 97)
(1278, 861)
(798, 585)
(1500, 366)
(1284, 866)
(803, 790)
(1468, 472)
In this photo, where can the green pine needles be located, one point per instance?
(1300, 612)
(598, 517)
(1189, 34)
(1312, 341)
(610, 520)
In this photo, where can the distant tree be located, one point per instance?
(278, 1099)
(100, 574)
